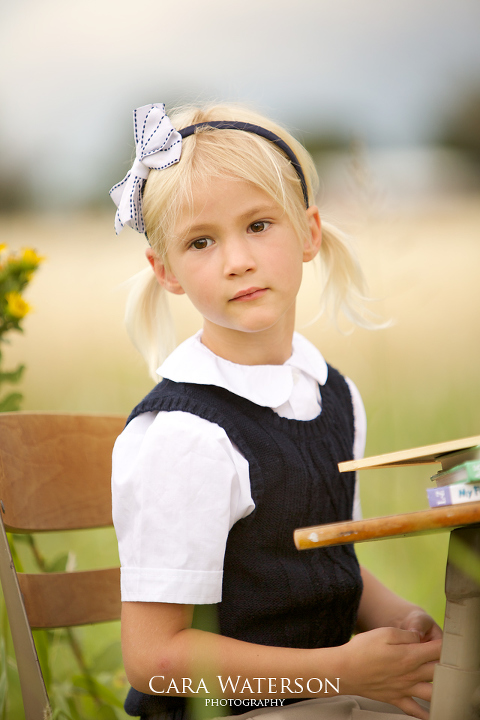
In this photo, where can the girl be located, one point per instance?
(239, 445)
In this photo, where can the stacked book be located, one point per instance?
(459, 479)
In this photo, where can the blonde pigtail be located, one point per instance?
(149, 321)
(344, 288)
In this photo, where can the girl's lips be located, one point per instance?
(249, 294)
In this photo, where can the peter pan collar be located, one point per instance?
(265, 385)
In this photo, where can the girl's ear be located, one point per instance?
(164, 276)
(314, 237)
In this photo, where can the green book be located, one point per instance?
(466, 472)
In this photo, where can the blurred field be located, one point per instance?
(423, 267)
(418, 378)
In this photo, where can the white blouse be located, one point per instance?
(179, 484)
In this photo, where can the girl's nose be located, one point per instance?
(238, 257)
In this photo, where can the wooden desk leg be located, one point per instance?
(457, 677)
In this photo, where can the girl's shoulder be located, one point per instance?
(161, 436)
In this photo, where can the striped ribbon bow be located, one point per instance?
(158, 145)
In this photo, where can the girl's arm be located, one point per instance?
(388, 664)
(380, 607)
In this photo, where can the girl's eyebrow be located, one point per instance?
(257, 210)
(260, 210)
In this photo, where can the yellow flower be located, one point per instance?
(3, 246)
(29, 255)
(16, 305)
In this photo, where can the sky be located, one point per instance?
(388, 71)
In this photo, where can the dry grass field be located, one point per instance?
(419, 377)
(422, 267)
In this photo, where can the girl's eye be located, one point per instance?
(259, 226)
(201, 243)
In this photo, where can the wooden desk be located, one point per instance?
(456, 686)
(415, 523)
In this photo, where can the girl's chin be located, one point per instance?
(252, 327)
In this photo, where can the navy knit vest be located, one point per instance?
(273, 594)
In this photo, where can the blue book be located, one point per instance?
(453, 494)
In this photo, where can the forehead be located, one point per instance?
(223, 200)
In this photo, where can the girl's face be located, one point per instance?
(239, 260)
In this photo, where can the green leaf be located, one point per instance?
(73, 709)
(59, 564)
(109, 660)
(107, 713)
(60, 714)
(42, 643)
(93, 687)
(19, 537)
(16, 560)
(11, 403)
(12, 376)
(3, 679)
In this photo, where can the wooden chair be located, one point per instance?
(54, 475)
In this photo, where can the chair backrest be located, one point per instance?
(54, 475)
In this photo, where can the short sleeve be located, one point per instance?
(176, 494)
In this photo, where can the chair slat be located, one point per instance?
(53, 470)
(78, 598)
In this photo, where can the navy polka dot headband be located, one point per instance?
(257, 130)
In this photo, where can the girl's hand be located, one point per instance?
(393, 665)
(420, 622)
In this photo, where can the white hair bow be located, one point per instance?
(158, 145)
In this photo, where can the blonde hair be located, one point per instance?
(243, 156)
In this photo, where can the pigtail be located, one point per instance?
(148, 320)
(343, 281)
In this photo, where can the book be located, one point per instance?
(452, 460)
(465, 472)
(440, 453)
(453, 494)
